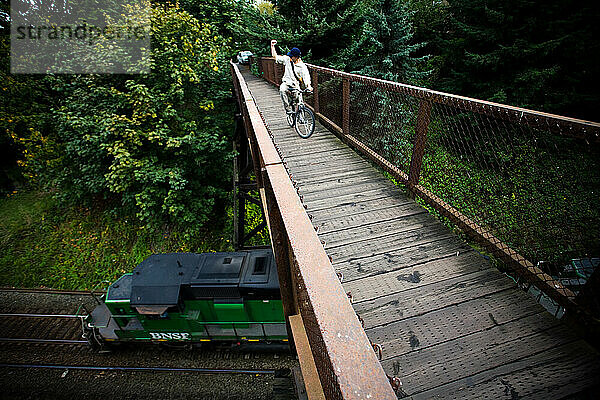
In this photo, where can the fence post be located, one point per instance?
(346, 106)
(416, 161)
(315, 84)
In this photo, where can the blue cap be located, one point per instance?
(295, 52)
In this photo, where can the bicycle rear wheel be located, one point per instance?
(305, 122)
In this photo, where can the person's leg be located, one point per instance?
(285, 97)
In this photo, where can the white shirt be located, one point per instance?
(300, 68)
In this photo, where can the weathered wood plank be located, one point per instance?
(341, 188)
(307, 179)
(414, 254)
(389, 244)
(365, 218)
(351, 173)
(323, 163)
(293, 147)
(482, 353)
(428, 361)
(551, 374)
(310, 171)
(412, 276)
(375, 230)
(373, 193)
(424, 298)
(452, 322)
(348, 209)
(319, 153)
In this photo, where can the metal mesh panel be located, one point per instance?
(330, 97)
(526, 183)
(535, 190)
(385, 121)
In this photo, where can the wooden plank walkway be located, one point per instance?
(450, 324)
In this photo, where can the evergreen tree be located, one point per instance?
(542, 56)
(383, 47)
(321, 28)
(430, 23)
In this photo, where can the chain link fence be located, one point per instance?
(524, 184)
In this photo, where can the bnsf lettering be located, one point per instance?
(170, 335)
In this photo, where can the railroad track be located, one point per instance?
(142, 369)
(40, 332)
(41, 328)
(51, 291)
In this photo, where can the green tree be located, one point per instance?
(25, 102)
(430, 23)
(223, 15)
(383, 47)
(542, 56)
(247, 24)
(321, 27)
(157, 144)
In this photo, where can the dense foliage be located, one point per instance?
(44, 244)
(383, 47)
(526, 53)
(154, 149)
(156, 144)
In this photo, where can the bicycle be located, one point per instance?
(301, 118)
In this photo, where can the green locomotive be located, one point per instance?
(186, 297)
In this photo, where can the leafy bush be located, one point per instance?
(156, 145)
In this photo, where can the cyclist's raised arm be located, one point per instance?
(278, 59)
(273, 51)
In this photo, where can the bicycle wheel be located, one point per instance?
(290, 119)
(305, 122)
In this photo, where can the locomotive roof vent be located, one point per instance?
(221, 268)
(260, 266)
(261, 271)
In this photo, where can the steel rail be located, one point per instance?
(8, 315)
(142, 369)
(50, 291)
(43, 341)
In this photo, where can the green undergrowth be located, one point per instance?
(44, 245)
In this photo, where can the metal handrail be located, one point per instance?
(564, 125)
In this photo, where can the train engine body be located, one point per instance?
(193, 298)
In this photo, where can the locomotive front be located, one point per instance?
(186, 297)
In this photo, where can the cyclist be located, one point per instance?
(296, 75)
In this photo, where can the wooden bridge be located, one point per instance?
(446, 323)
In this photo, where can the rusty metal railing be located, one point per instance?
(524, 184)
(346, 364)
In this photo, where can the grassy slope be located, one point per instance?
(43, 245)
